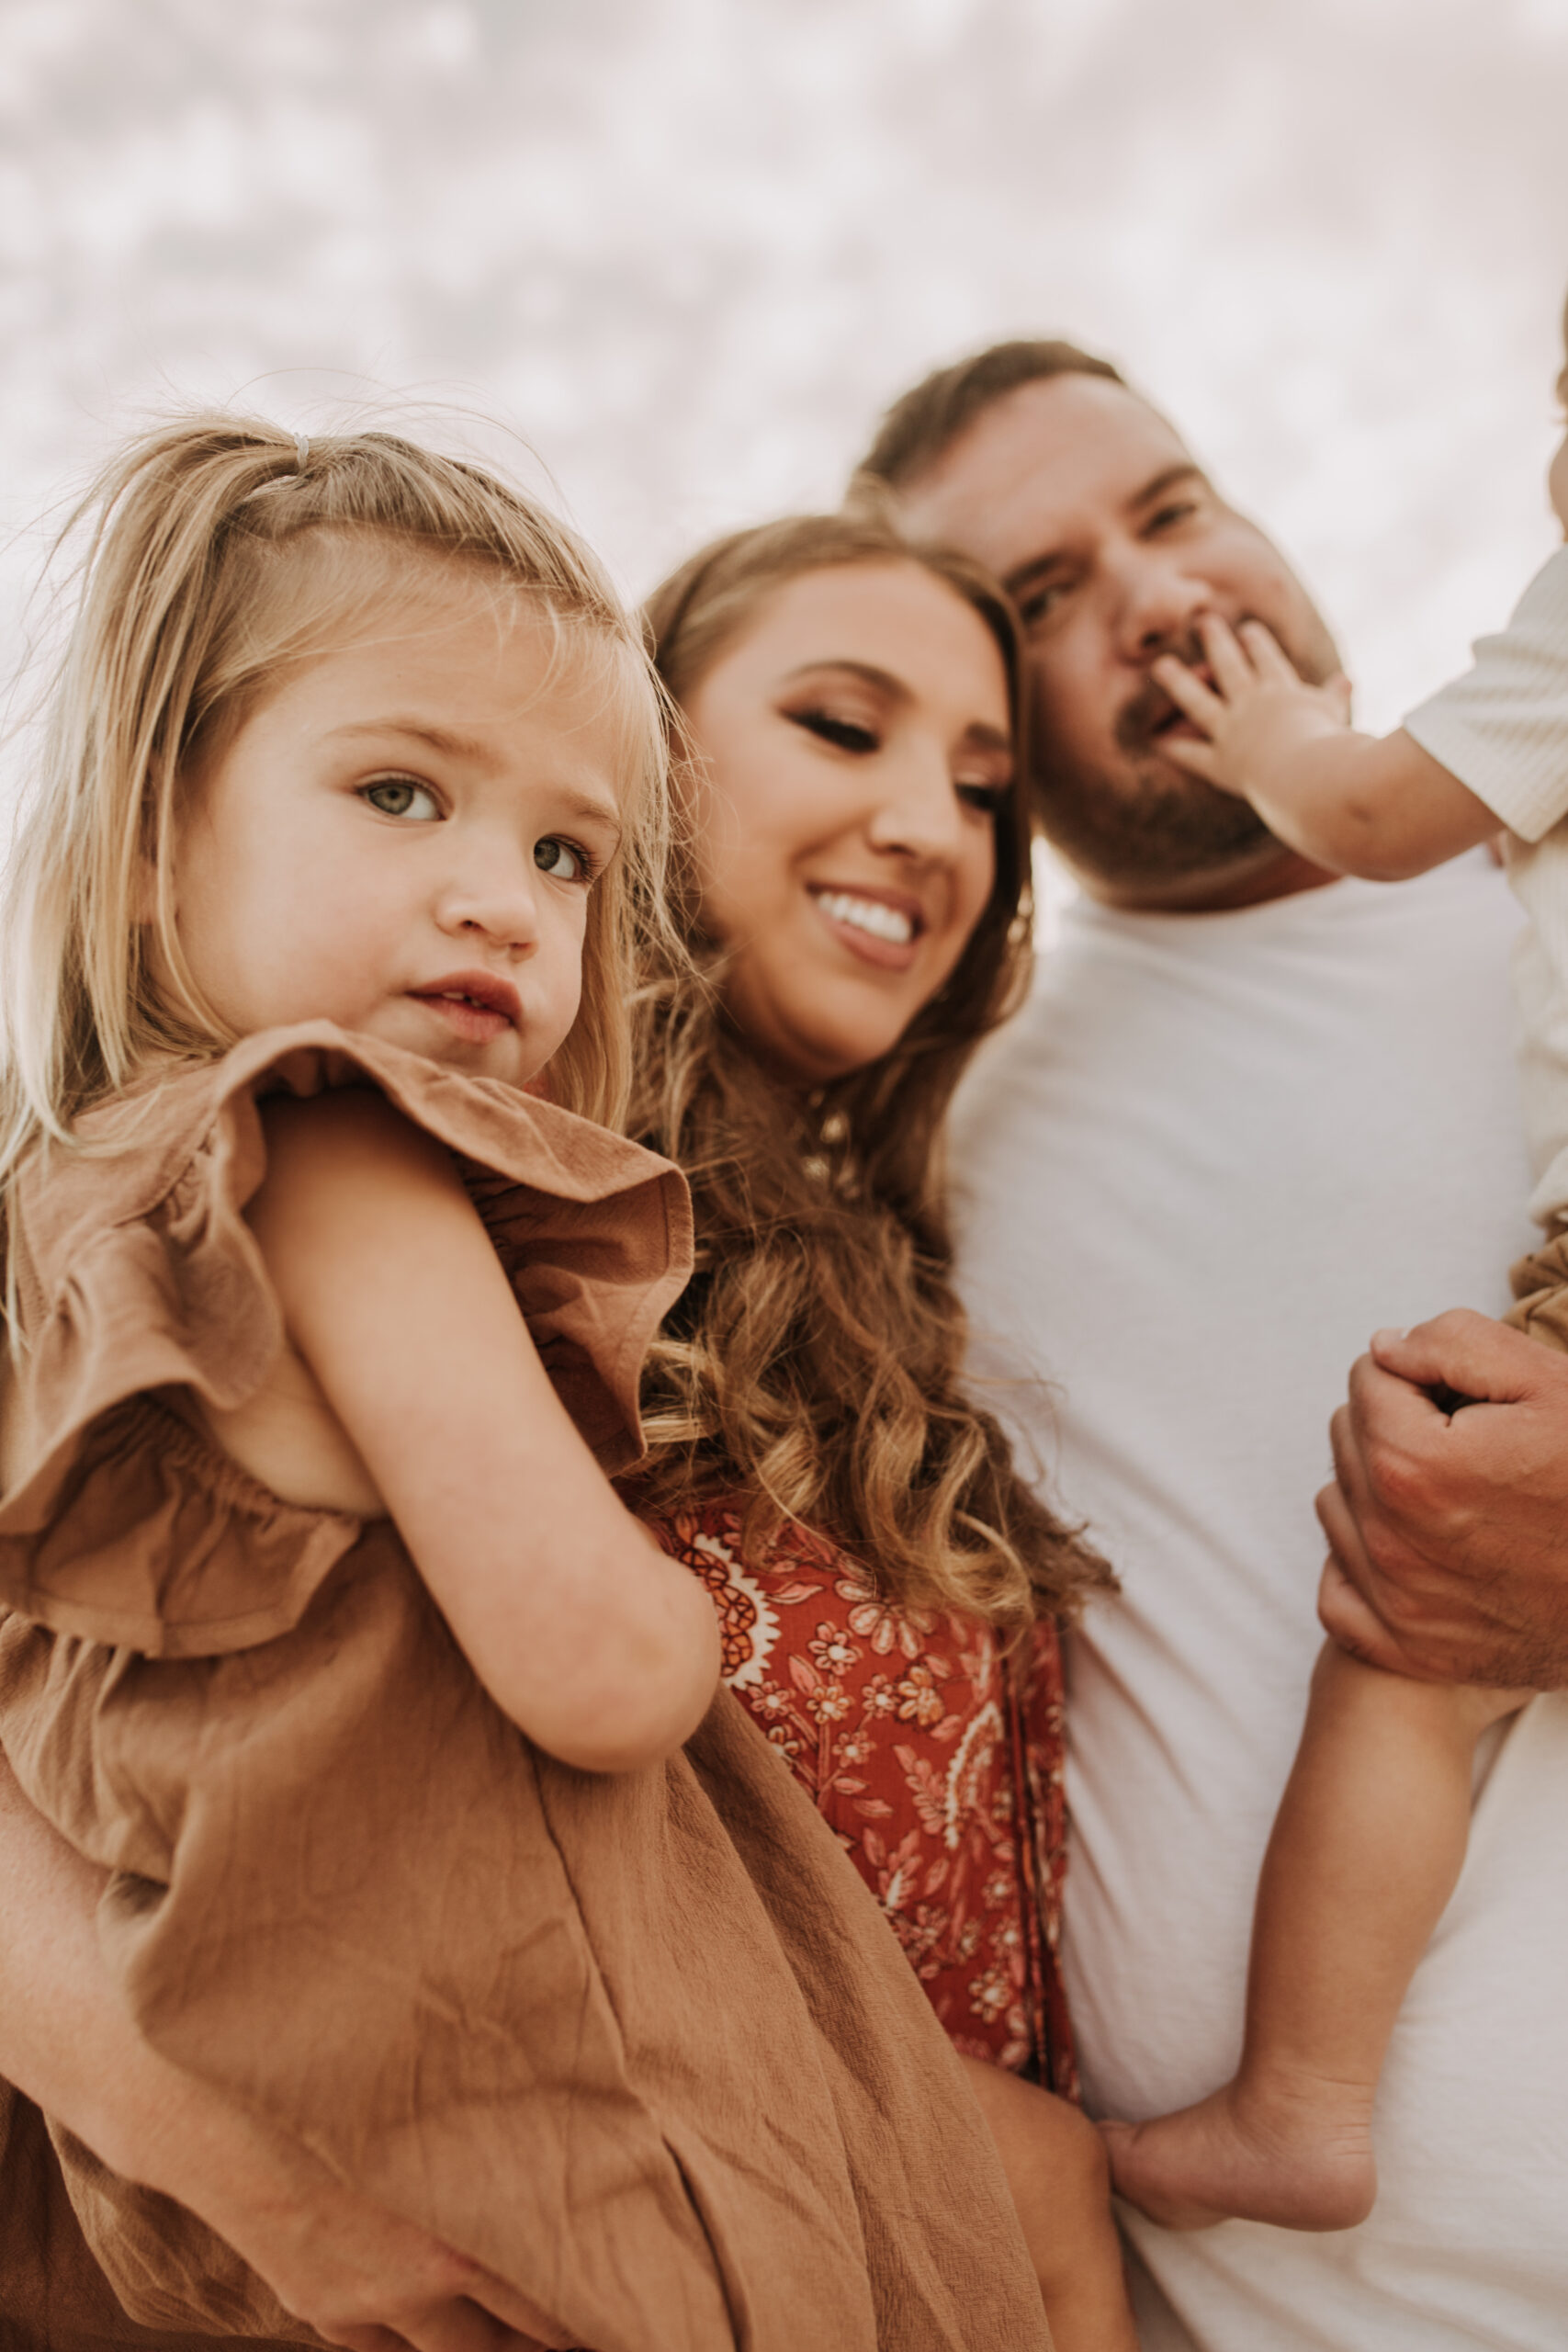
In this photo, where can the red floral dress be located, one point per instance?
(938, 1766)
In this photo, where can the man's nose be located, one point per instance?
(1160, 599)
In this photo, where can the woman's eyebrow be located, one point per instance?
(883, 679)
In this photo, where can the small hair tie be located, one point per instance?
(302, 451)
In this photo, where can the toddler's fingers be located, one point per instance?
(1190, 695)
(1234, 673)
(1269, 655)
(1339, 691)
(1352, 1623)
(1198, 759)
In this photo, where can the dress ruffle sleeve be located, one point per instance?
(638, 2043)
(139, 1278)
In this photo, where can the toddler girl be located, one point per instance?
(324, 1634)
(1371, 1833)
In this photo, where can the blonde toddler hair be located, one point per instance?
(218, 549)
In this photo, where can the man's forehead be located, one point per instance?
(1053, 461)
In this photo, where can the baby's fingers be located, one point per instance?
(1198, 759)
(1188, 692)
(1268, 656)
(1228, 659)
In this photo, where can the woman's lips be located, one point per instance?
(881, 928)
(476, 1006)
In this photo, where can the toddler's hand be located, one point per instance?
(1257, 711)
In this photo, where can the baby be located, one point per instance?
(1350, 1891)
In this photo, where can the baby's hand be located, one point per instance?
(1257, 711)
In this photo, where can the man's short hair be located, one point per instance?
(919, 429)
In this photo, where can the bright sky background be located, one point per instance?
(688, 248)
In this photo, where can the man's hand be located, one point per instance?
(1447, 1519)
(1257, 712)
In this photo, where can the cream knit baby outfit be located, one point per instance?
(1503, 730)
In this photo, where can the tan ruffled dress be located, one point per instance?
(640, 2043)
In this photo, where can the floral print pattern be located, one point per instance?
(936, 1762)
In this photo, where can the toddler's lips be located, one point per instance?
(479, 1006)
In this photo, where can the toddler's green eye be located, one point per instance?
(558, 859)
(399, 795)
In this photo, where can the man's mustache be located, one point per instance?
(1150, 707)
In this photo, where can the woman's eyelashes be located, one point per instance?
(989, 796)
(847, 734)
(986, 794)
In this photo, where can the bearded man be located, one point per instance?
(1250, 1113)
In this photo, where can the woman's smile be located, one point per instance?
(883, 926)
(851, 747)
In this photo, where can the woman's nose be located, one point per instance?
(918, 812)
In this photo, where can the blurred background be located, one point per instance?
(687, 249)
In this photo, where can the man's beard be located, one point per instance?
(1146, 821)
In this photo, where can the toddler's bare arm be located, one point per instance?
(603, 1649)
(1367, 1848)
(1380, 806)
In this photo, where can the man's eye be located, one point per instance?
(844, 732)
(1040, 603)
(562, 861)
(399, 795)
(1178, 511)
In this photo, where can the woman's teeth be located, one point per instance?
(867, 914)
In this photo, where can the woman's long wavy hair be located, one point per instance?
(814, 1364)
(217, 549)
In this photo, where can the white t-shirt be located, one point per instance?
(1503, 730)
(1211, 1156)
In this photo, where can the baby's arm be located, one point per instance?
(1367, 1848)
(603, 1649)
(1357, 804)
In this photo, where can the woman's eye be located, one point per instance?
(1177, 512)
(399, 795)
(560, 860)
(990, 798)
(843, 732)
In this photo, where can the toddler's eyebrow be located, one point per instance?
(439, 739)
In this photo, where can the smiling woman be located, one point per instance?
(856, 896)
(852, 755)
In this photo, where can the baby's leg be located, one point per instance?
(1367, 1848)
(1054, 2163)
